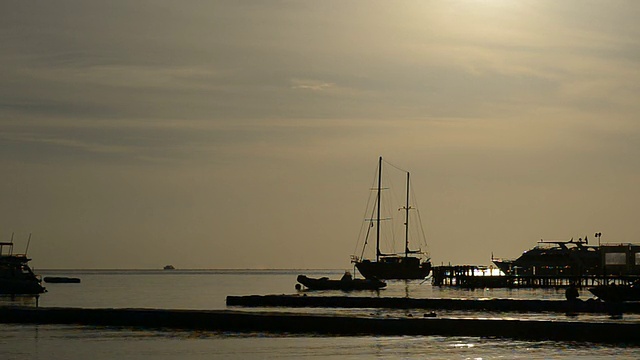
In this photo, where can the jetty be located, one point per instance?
(492, 305)
(342, 325)
(477, 277)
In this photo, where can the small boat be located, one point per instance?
(346, 283)
(393, 264)
(169, 267)
(16, 277)
(617, 293)
(61, 280)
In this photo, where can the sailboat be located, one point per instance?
(406, 265)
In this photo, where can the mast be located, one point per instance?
(28, 242)
(406, 223)
(378, 212)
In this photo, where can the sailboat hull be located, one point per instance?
(394, 270)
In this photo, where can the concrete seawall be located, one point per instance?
(498, 305)
(239, 321)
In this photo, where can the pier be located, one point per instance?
(342, 325)
(474, 277)
(492, 305)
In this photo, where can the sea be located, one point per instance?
(208, 289)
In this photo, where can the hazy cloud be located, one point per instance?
(255, 125)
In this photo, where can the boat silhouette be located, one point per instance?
(406, 265)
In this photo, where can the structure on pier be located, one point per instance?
(473, 276)
(574, 258)
(550, 264)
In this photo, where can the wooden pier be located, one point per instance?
(473, 277)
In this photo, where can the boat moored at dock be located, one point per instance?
(574, 258)
(16, 277)
(391, 264)
(554, 258)
(617, 293)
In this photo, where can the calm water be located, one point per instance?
(208, 290)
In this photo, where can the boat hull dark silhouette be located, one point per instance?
(345, 284)
(394, 268)
(61, 280)
(20, 287)
(554, 258)
(16, 277)
(616, 293)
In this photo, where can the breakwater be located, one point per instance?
(275, 322)
(497, 305)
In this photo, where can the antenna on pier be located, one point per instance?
(598, 235)
(28, 242)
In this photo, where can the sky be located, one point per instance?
(244, 134)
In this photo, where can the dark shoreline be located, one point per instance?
(290, 323)
(497, 305)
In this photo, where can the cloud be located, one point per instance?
(314, 85)
(499, 104)
(139, 77)
(27, 138)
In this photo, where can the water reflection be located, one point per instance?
(18, 300)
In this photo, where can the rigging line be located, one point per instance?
(390, 232)
(366, 209)
(355, 251)
(387, 233)
(366, 238)
(394, 166)
(424, 235)
(387, 230)
(369, 226)
(422, 232)
(414, 199)
(388, 236)
(397, 195)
